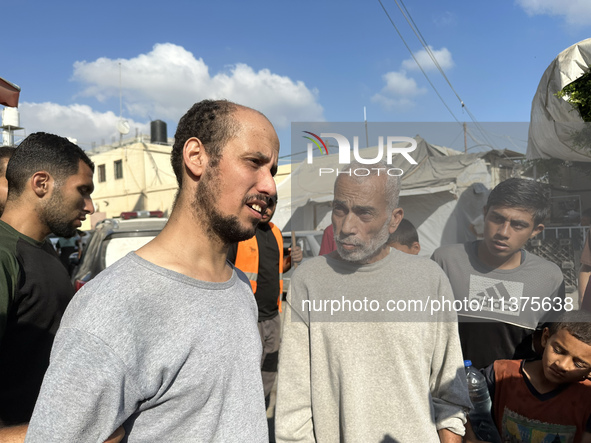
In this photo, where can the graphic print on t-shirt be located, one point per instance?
(492, 295)
(522, 429)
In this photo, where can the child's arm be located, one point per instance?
(586, 438)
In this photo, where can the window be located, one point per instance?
(118, 164)
(102, 174)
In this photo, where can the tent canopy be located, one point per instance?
(430, 192)
(555, 124)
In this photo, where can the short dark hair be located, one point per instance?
(576, 323)
(5, 152)
(521, 193)
(406, 234)
(43, 152)
(212, 122)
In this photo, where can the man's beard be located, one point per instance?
(52, 215)
(365, 251)
(225, 227)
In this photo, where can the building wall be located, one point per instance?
(147, 182)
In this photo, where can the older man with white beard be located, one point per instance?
(359, 362)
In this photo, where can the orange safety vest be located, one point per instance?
(247, 260)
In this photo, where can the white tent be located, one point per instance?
(554, 122)
(440, 195)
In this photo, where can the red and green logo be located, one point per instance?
(325, 152)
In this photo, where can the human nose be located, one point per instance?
(503, 230)
(266, 183)
(88, 205)
(562, 363)
(349, 226)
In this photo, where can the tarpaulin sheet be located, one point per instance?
(556, 128)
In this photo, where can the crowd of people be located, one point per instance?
(182, 340)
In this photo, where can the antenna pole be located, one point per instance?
(120, 105)
(366, 136)
(120, 98)
(465, 138)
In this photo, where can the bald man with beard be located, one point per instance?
(350, 370)
(165, 341)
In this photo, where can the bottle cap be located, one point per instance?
(467, 363)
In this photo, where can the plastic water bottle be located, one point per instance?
(480, 414)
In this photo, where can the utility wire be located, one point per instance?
(418, 64)
(407, 16)
(417, 32)
(419, 35)
(480, 128)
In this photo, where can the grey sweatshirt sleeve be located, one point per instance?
(448, 380)
(86, 393)
(293, 411)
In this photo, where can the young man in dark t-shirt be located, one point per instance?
(5, 154)
(49, 187)
(506, 291)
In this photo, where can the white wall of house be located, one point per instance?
(133, 177)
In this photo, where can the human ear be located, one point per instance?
(397, 216)
(194, 157)
(537, 230)
(41, 183)
(545, 337)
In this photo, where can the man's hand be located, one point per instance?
(296, 254)
(16, 434)
(294, 258)
(13, 434)
(116, 436)
(470, 436)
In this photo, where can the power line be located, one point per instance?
(428, 50)
(423, 42)
(432, 56)
(418, 64)
(407, 16)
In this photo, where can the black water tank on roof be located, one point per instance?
(158, 132)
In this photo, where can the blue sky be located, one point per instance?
(294, 61)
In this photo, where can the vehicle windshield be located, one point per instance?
(117, 247)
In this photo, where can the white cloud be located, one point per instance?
(398, 91)
(165, 82)
(389, 103)
(443, 57)
(399, 84)
(575, 12)
(445, 19)
(76, 121)
(400, 88)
